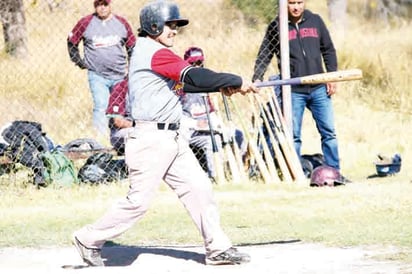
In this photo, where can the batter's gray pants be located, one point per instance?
(154, 156)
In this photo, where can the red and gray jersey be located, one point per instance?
(155, 76)
(104, 44)
(117, 100)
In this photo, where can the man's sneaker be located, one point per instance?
(230, 256)
(91, 256)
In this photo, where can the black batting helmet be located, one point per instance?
(156, 14)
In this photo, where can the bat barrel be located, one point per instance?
(335, 76)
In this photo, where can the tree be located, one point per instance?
(337, 17)
(337, 12)
(385, 10)
(13, 20)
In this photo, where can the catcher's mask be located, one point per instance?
(155, 15)
(325, 176)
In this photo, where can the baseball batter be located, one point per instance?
(155, 151)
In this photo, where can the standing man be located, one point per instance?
(195, 120)
(107, 41)
(311, 48)
(197, 124)
(155, 151)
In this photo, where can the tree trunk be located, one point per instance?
(385, 10)
(14, 27)
(337, 14)
(337, 17)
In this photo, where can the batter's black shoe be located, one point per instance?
(91, 256)
(230, 256)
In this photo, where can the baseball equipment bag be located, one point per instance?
(26, 141)
(102, 168)
(58, 169)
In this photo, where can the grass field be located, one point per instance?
(372, 116)
(375, 212)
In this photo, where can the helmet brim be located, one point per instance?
(179, 22)
(328, 183)
(338, 183)
(195, 59)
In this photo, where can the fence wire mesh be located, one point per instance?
(40, 84)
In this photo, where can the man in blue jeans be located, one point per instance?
(108, 41)
(310, 48)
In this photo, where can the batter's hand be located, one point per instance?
(228, 91)
(247, 87)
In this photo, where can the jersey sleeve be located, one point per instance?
(117, 100)
(167, 63)
(327, 48)
(205, 80)
(76, 35)
(131, 38)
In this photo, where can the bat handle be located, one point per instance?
(212, 134)
(227, 111)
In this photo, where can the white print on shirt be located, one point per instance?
(105, 41)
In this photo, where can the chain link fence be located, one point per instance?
(40, 84)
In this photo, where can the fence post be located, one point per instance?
(285, 64)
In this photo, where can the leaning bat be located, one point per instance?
(233, 144)
(268, 158)
(276, 142)
(335, 76)
(289, 149)
(252, 145)
(216, 157)
(227, 149)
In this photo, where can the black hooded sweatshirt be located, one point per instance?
(311, 49)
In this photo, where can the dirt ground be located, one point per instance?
(285, 257)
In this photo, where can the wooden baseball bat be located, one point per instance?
(227, 149)
(266, 151)
(267, 178)
(276, 141)
(216, 157)
(236, 151)
(335, 76)
(285, 138)
(234, 170)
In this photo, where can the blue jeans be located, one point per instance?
(320, 105)
(100, 88)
